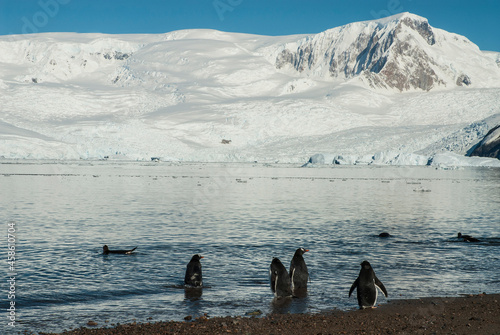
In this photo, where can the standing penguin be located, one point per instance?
(193, 272)
(367, 283)
(298, 270)
(280, 280)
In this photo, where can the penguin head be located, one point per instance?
(277, 266)
(366, 265)
(196, 257)
(459, 235)
(105, 248)
(276, 261)
(301, 251)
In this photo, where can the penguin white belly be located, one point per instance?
(374, 301)
(276, 286)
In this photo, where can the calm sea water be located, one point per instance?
(238, 216)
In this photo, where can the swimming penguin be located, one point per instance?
(384, 235)
(193, 275)
(298, 270)
(105, 251)
(280, 280)
(367, 284)
(467, 238)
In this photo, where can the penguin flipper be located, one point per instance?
(354, 285)
(381, 286)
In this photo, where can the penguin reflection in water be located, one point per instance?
(299, 275)
(366, 285)
(280, 280)
(193, 277)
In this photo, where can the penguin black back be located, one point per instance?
(299, 275)
(106, 251)
(280, 280)
(193, 275)
(366, 285)
(467, 238)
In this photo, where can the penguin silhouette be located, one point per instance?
(106, 251)
(366, 285)
(193, 275)
(298, 270)
(467, 238)
(280, 280)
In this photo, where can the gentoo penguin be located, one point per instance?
(193, 275)
(105, 250)
(298, 270)
(280, 280)
(366, 284)
(467, 238)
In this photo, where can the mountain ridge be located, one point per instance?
(394, 52)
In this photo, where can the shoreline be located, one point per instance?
(473, 314)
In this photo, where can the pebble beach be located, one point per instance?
(473, 314)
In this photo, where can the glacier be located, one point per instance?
(389, 91)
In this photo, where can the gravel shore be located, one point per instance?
(475, 314)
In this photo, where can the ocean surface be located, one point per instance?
(238, 216)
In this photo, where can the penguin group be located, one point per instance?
(287, 283)
(293, 283)
(192, 278)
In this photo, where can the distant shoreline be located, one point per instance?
(473, 314)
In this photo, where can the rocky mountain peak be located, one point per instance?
(418, 24)
(401, 52)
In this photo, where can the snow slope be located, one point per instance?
(178, 95)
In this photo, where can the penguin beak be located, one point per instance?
(306, 250)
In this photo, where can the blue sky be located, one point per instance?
(478, 20)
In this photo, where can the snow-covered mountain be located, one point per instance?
(402, 52)
(391, 85)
